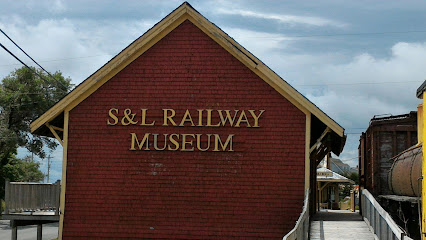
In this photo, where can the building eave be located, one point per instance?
(155, 34)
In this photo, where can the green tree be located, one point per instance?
(24, 96)
(23, 170)
(353, 176)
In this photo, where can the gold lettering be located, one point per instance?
(256, 118)
(144, 119)
(140, 144)
(240, 119)
(174, 141)
(217, 141)
(114, 117)
(156, 142)
(184, 142)
(209, 119)
(168, 117)
(129, 116)
(200, 117)
(228, 117)
(186, 117)
(199, 142)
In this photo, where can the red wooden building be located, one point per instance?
(185, 134)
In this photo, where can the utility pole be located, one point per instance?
(48, 167)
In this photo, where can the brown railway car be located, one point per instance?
(385, 137)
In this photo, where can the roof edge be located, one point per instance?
(100, 76)
(184, 12)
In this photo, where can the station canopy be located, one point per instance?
(326, 175)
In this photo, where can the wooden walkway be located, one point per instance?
(339, 225)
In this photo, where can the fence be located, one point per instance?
(379, 220)
(31, 197)
(301, 230)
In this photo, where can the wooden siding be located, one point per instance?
(255, 192)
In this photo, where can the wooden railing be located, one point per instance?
(301, 230)
(21, 197)
(379, 220)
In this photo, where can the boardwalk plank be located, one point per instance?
(339, 225)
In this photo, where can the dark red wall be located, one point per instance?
(254, 192)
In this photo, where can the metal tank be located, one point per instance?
(405, 172)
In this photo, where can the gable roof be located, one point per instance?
(326, 175)
(155, 34)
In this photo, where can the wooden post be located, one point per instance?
(57, 196)
(319, 196)
(421, 118)
(14, 230)
(353, 200)
(39, 231)
(423, 170)
(7, 197)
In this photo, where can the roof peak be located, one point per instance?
(184, 12)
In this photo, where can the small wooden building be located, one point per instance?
(185, 134)
(328, 188)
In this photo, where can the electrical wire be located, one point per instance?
(61, 59)
(343, 34)
(346, 160)
(32, 93)
(7, 50)
(32, 59)
(360, 83)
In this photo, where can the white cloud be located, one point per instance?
(391, 88)
(57, 6)
(77, 48)
(282, 18)
(259, 42)
(391, 80)
(52, 6)
(330, 79)
(350, 89)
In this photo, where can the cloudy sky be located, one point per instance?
(353, 59)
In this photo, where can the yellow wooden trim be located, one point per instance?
(323, 186)
(319, 140)
(57, 128)
(244, 57)
(114, 66)
(419, 123)
(423, 169)
(64, 174)
(307, 152)
(262, 70)
(54, 133)
(146, 41)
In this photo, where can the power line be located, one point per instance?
(32, 59)
(62, 59)
(18, 93)
(360, 83)
(344, 34)
(30, 93)
(7, 50)
(345, 160)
